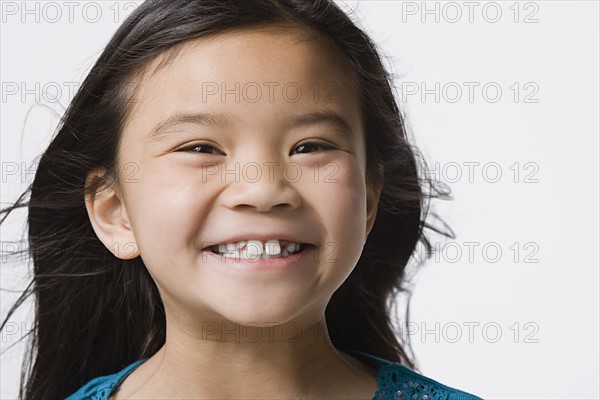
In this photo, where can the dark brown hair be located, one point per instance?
(95, 313)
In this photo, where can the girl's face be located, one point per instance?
(252, 134)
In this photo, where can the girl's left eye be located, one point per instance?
(204, 148)
(314, 146)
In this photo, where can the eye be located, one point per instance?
(312, 146)
(200, 148)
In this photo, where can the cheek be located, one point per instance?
(341, 201)
(165, 210)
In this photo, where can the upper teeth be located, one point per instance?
(255, 248)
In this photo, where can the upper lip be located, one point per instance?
(263, 237)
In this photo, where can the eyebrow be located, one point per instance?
(164, 129)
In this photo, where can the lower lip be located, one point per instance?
(263, 264)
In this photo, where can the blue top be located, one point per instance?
(395, 382)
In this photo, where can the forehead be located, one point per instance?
(247, 73)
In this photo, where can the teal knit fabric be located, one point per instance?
(397, 382)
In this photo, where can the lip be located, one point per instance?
(292, 261)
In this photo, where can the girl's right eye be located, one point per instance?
(200, 148)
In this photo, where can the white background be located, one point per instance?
(535, 324)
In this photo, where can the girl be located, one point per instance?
(227, 211)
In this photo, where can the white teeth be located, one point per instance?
(272, 247)
(254, 249)
(292, 247)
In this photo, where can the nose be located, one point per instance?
(261, 187)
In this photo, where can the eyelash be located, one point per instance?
(194, 146)
(324, 146)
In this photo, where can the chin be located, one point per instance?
(261, 313)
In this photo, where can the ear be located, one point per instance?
(373, 194)
(109, 219)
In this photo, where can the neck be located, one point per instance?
(226, 360)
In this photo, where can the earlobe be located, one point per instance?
(109, 219)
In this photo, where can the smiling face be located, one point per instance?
(252, 134)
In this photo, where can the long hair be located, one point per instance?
(95, 313)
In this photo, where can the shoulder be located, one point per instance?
(398, 382)
(101, 387)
